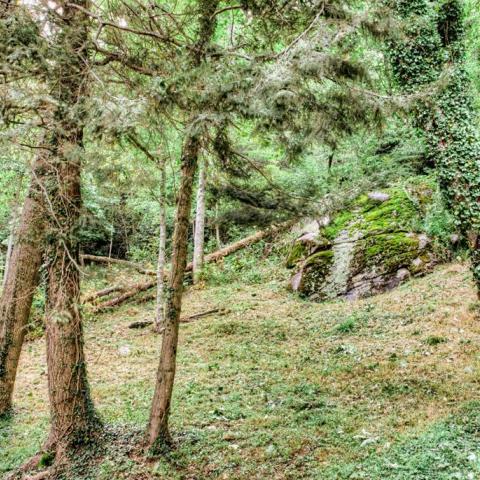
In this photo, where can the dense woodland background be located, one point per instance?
(192, 140)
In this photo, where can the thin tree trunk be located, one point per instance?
(20, 282)
(217, 229)
(160, 307)
(110, 247)
(157, 430)
(199, 238)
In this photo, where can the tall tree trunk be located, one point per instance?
(20, 282)
(72, 414)
(157, 430)
(21, 277)
(199, 238)
(73, 419)
(160, 307)
(448, 119)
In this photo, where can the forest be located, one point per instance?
(239, 239)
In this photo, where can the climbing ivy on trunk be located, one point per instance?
(431, 55)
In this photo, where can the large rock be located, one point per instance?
(372, 247)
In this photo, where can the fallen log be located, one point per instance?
(133, 290)
(146, 323)
(117, 261)
(103, 293)
(211, 258)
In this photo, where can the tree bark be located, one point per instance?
(20, 282)
(13, 232)
(218, 237)
(8, 256)
(73, 418)
(199, 239)
(157, 430)
(160, 307)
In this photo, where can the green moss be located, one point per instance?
(320, 259)
(397, 213)
(387, 252)
(369, 216)
(297, 253)
(316, 271)
(341, 222)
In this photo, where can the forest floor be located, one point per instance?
(280, 388)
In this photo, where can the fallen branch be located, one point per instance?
(117, 261)
(146, 323)
(103, 293)
(133, 290)
(211, 258)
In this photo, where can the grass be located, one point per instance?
(280, 388)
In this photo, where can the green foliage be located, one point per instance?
(434, 340)
(446, 451)
(435, 40)
(347, 326)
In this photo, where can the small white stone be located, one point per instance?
(379, 196)
(423, 241)
(124, 350)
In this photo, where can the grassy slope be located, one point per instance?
(284, 389)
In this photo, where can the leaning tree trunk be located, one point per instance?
(157, 430)
(21, 280)
(199, 238)
(160, 307)
(21, 277)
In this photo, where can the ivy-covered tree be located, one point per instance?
(430, 60)
(51, 217)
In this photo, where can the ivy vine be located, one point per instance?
(432, 51)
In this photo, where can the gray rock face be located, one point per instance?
(369, 249)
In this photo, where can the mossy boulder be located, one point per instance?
(372, 246)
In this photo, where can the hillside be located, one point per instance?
(280, 388)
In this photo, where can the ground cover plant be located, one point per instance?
(239, 239)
